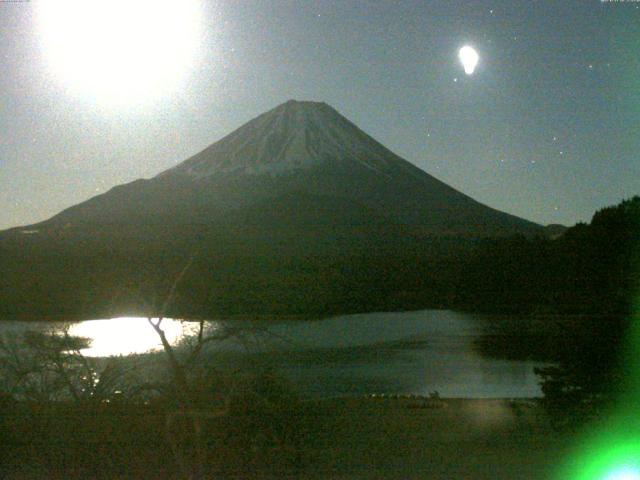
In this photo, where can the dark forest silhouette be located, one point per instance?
(591, 268)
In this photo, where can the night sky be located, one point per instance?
(547, 127)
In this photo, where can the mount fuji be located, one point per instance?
(305, 158)
(279, 215)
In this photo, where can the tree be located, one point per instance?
(590, 376)
(49, 365)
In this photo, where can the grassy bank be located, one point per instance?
(339, 438)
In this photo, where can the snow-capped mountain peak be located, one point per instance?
(288, 138)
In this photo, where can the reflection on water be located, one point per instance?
(127, 335)
(397, 353)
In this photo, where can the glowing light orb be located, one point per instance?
(117, 51)
(469, 59)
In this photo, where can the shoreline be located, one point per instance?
(275, 317)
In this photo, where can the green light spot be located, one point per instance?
(624, 473)
(609, 459)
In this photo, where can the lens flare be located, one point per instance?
(624, 473)
(469, 59)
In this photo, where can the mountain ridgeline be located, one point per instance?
(296, 212)
(300, 164)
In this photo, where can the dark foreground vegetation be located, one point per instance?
(126, 439)
(66, 416)
(356, 438)
(590, 269)
(590, 361)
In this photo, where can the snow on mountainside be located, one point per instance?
(307, 149)
(292, 136)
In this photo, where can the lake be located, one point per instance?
(408, 353)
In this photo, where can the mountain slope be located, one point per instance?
(296, 211)
(302, 148)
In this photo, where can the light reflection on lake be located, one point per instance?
(128, 335)
(394, 352)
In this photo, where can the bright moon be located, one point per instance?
(469, 58)
(117, 51)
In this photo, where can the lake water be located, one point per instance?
(392, 353)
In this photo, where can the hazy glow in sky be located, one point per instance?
(116, 52)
